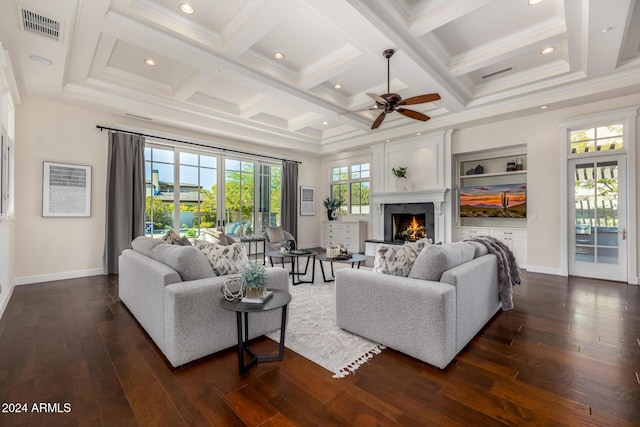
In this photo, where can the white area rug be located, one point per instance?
(312, 332)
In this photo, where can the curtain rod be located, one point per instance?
(224, 150)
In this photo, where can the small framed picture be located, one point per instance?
(66, 190)
(307, 201)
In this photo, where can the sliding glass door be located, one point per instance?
(183, 192)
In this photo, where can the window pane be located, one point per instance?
(232, 165)
(162, 155)
(611, 130)
(159, 198)
(208, 161)
(189, 159)
(582, 135)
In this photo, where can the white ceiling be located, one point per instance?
(216, 73)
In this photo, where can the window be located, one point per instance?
(191, 190)
(594, 139)
(160, 190)
(351, 184)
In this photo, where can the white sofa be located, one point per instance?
(431, 320)
(179, 309)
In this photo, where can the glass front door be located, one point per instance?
(598, 238)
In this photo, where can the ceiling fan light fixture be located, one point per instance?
(150, 62)
(547, 50)
(279, 56)
(187, 8)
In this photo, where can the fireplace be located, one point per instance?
(408, 221)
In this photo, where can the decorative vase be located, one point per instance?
(401, 184)
(254, 293)
(330, 214)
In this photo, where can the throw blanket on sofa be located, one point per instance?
(508, 272)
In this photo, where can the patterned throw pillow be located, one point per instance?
(172, 238)
(396, 259)
(224, 259)
(275, 235)
(214, 235)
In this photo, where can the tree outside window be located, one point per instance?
(351, 184)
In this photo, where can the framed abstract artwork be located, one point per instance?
(66, 190)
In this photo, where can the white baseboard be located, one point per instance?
(27, 280)
(544, 270)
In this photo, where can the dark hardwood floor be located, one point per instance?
(568, 354)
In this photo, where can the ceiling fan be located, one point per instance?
(390, 102)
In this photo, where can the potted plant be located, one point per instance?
(331, 205)
(401, 178)
(254, 279)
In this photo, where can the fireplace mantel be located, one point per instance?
(435, 196)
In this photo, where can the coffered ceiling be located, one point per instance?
(215, 70)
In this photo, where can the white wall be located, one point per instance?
(57, 248)
(541, 133)
(6, 261)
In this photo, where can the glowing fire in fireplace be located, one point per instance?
(414, 231)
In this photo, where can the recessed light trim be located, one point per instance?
(187, 8)
(40, 59)
(325, 123)
(544, 107)
(150, 62)
(534, 2)
(547, 50)
(279, 56)
(337, 86)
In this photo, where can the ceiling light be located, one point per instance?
(150, 62)
(388, 140)
(418, 134)
(337, 86)
(40, 60)
(544, 107)
(534, 2)
(187, 8)
(325, 123)
(279, 56)
(547, 50)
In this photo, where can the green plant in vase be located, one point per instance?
(254, 279)
(331, 204)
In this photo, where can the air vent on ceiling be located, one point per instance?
(36, 23)
(495, 73)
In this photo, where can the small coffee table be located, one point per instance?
(295, 264)
(355, 258)
(279, 299)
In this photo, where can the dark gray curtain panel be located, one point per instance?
(290, 198)
(125, 196)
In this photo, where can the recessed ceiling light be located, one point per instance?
(534, 2)
(187, 8)
(544, 107)
(547, 50)
(325, 123)
(150, 62)
(337, 86)
(40, 60)
(279, 56)
(388, 140)
(418, 134)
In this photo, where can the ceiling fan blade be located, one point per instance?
(375, 107)
(420, 99)
(377, 98)
(413, 114)
(378, 121)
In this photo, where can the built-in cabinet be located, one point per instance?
(514, 238)
(349, 233)
(501, 172)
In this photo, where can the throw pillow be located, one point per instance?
(224, 259)
(275, 235)
(172, 238)
(479, 248)
(396, 259)
(434, 260)
(214, 235)
(187, 261)
(144, 244)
